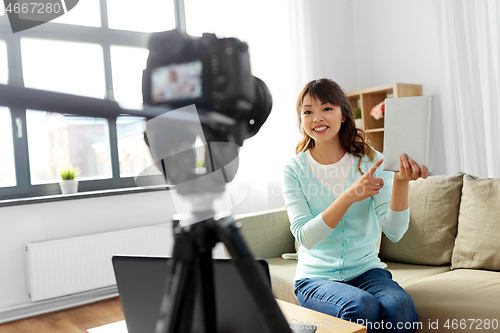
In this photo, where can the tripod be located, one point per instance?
(190, 270)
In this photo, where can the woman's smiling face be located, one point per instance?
(321, 121)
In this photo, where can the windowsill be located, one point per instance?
(80, 195)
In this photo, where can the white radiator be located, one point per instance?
(72, 265)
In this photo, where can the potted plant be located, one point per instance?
(200, 167)
(69, 184)
(357, 118)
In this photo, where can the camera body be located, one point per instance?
(213, 74)
(210, 72)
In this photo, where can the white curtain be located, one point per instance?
(470, 58)
(269, 28)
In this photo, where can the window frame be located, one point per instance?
(103, 36)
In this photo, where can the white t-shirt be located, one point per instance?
(332, 176)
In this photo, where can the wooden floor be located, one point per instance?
(75, 320)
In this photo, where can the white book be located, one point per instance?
(408, 128)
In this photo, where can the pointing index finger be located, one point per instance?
(374, 167)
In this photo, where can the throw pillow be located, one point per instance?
(434, 205)
(477, 245)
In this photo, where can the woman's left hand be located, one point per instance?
(409, 170)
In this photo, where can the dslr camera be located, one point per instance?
(210, 72)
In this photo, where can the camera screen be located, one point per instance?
(177, 82)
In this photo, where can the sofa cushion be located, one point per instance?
(455, 296)
(282, 278)
(434, 206)
(405, 274)
(477, 244)
(267, 233)
(283, 273)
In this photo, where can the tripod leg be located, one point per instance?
(228, 232)
(179, 294)
(189, 298)
(205, 240)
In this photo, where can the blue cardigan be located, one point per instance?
(350, 249)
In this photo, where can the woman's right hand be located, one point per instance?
(366, 185)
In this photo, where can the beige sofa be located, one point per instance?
(448, 261)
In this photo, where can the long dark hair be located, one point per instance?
(353, 140)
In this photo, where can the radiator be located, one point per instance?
(68, 266)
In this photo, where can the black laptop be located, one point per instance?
(140, 282)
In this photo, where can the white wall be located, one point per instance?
(362, 44)
(397, 41)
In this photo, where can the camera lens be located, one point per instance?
(261, 107)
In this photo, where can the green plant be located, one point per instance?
(200, 163)
(357, 113)
(70, 172)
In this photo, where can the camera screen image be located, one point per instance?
(177, 82)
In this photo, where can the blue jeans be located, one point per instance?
(372, 299)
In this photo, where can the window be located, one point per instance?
(7, 171)
(133, 153)
(127, 64)
(4, 69)
(85, 13)
(56, 141)
(88, 54)
(73, 68)
(144, 15)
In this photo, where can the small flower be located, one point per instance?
(378, 111)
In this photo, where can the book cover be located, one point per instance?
(408, 129)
